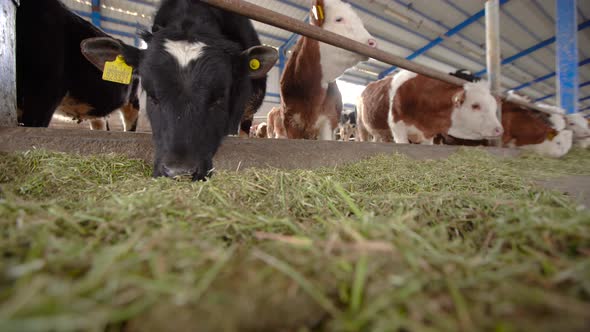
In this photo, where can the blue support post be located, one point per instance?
(95, 16)
(567, 55)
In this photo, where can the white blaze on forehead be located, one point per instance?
(183, 51)
(579, 125)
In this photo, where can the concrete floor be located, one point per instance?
(238, 153)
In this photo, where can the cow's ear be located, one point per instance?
(261, 59)
(104, 49)
(459, 98)
(318, 14)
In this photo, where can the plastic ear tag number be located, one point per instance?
(318, 13)
(117, 71)
(551, 136)
(254, 64)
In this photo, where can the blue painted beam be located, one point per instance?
(470, 20)
(533, 49)
(567, 55)
(95, 16)
(546, 77)
(553, 94)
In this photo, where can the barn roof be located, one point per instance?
(443, 34)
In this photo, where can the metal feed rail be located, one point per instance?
(273, 18)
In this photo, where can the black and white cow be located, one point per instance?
(198, 73)
(53, 74)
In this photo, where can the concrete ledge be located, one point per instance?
(235, 153)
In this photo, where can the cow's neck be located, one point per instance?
(334, 62)
(303, 73)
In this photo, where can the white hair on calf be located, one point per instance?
(579, 125)
(514, 96)
(557, 147)
(183, 51)
(550, 108)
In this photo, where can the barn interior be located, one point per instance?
(305, 235)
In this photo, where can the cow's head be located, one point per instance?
(579, 125)
(556, 145)
(338, 17)
(474, 113)
(196, 89)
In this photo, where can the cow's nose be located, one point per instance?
(498, 131)
(372, 42)
(178, 171)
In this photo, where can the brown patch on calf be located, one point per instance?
(374, 111)
(524, 126)
(98, 124)
(303, 98)
(276, 121)
(75, 109)
(130, 116)
(426, 104)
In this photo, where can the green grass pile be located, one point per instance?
(388, 244)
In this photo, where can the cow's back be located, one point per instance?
(375, 99)
(524, 126)
(425, 103)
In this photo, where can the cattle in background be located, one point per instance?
(276, 124)
(311, 101)
(347, 125)
(527, 129)
(416, 109)
(198, 73)
(580, 127)
(373, 107)
(261, 130)
(52, 73)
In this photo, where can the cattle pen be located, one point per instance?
(294, 235)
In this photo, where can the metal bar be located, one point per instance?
(567, 55)
(8, 63)
(467, 22)
(95, 16)
(493, 54)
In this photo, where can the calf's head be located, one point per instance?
(196, 89)
(579, 125)
(338, 17)
(474, 113)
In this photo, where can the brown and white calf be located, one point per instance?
(311, 101)
(416, 108)
(528, 129)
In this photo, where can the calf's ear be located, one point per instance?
(261, 59)
(104, 49)
(459, 98)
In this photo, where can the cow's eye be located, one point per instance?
(339, 19)
(476, 106)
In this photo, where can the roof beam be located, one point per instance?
(546, 77)
(467, 22)
(533, 48)
(553, 94)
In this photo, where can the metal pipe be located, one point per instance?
(493, 54)
(8, 63)
(270, 17)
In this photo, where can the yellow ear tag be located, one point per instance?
(551, 135)
(117, 71)
(318, 12)
(254, 64)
